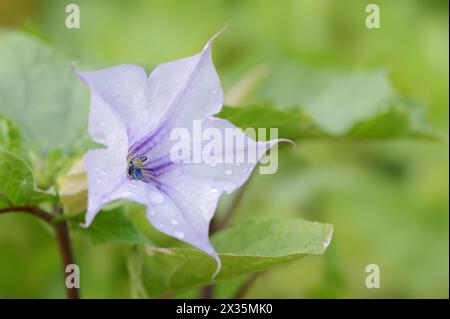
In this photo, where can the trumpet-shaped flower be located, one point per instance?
(133, 114)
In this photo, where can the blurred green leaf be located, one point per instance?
(317, 103)
(47, 167)
(402, 118)
(112, 226)
(135, 265)
(10, 139)
(40, 93)
(290, 123)
(243, 248)
(17, 186)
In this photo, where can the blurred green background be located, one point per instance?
(388, 200)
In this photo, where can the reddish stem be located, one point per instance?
(61, 234)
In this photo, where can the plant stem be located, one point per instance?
(33, 210)
(61, 234)
(246, 286)
(65, 249)
(216, 225)
(207, 292)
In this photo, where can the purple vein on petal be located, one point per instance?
(144, 145)
(150, 178)
(147, 143)
(161, 169)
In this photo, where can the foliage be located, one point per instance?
(43, 120)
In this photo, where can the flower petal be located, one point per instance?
(107, 182)
(191, 191)
(124, 90)
(184, 215)
(185, 89)
(105, 167)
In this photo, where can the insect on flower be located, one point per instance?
(133, 114)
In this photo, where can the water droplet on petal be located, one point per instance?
(174, 222)
(151, 212)
(156, 197)
(179, 234)
(126, 193)
(214, 189)
(228, 172)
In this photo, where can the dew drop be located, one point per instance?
(213, 163)
(179, 234)
(151, 212)
(174, 222)
(228, 172)
(214, 189)
(156, 198)
(127, 194)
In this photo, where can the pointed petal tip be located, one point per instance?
(84, 225)
(72, 65)
(74, 69)
(88, 219)
(79, 74)
(271, 143)
(218, 267)
(286, 140)
(208, 44)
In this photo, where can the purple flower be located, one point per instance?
(133, 115)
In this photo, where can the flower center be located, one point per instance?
(134, 169)
(147, 170)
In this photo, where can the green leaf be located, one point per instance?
(135, 265)
(330, 103)
(364, 104)
(403, 118)
(243, 248)
(290, 123)
(17, 186)
(10, 139)
(40, 93)
(47, 167)
(112, 226)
